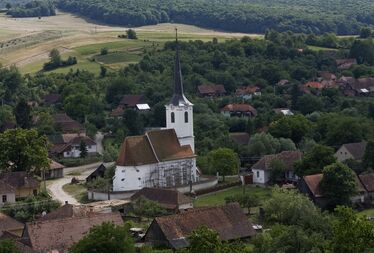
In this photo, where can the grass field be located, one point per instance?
(84, 39)
(78, 191)
(218, 198)
(368, 213)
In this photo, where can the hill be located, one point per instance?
(251, 16)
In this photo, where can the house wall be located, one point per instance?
(75, 152)
(24, 192)
(343, 154)
(260, 176)
(56, 173)
(10, 196)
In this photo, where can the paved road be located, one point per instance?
(55, 186)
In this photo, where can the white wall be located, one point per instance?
(75, 152)
(182, 128)
(129, 178)
(260, 176)
(11, 198)
(343, 154)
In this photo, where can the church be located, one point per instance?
(161, 158)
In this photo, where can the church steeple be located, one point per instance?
(178, 98)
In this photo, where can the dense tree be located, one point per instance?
(292, 127)
(22, 113)
(23, 150)
(145, 207)
(278, 168)
(8, 246)
(204, 240)
(351, 233)
(338, 184)
(245, 200)
(315, 160)
(368, 160)
(38, 8)
(225, 161)
(363, 51)
(105, 238)
(131, 34)
(83, 149)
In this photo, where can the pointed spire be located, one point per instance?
(178, 96)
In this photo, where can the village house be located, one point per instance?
(131, 101)
(65, 124)
(345, 63)
(239, 110)
(262, 169)
(68, 145)
(283, 111)
(24, 184)
(351, 151)
(10, 225)
(310, 185)
(99, 172)
(117, 112)
(58, 235)
(211, 90)
(247, 92)
(314, 85)
(170, 199)
(68, 211)
(7, 193)
(282, 82)
(367, 181)
(55, 170)
(161, 158)
(327, 76)
(356, 87)
(173, 231)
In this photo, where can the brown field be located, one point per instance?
(29, 40)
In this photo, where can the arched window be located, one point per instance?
(185, 117)
(172, 117)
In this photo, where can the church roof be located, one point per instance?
(178, 98)
(155, 146)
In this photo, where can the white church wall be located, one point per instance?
(128, 178)
(182, 128)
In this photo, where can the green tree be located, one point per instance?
(82, 149)
(338, 184)
(55, 57)
(22, 113)
(365, 32)
(351, 233)
(104, 51)
(245, 200)
(293, 127)
(368, 160)
(204, 240)
(131, 34)
(8, 246)
(105, 238)
(278, 168)
(225, 161)
(315, 160)
(23, 150)
(145, 207)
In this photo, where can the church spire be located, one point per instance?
(178, 96)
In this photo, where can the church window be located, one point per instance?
(122, 179)
(172, 117)
(185, 117)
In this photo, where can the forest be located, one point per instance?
(250, 16)
(39, 8)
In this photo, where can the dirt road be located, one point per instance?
(55, 186)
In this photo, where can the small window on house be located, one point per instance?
(139, 178)
(185, 117)
(4, 199)
(172, 117)
(258, 174)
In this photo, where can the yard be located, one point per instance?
(78, 191)
(218, 198)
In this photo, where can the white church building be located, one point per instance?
(161, 158)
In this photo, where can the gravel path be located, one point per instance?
(55, 186)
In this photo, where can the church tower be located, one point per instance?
(179, 111)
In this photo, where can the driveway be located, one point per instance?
(55, 186)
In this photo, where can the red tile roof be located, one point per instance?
(18, 179)
(315, 85)
(55, 165)
(240, 108)
(68, 211)
(132, 100)
(157, 145)
(60, 234)
(247, 90)
(168, 198)
(367, 181)
(228, 220)
(287, 157)
(67, 124)
(211, 89)
(7, 223)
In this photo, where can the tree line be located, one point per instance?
(38, 8)
(238, 16)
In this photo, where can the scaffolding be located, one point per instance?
(170, 174)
